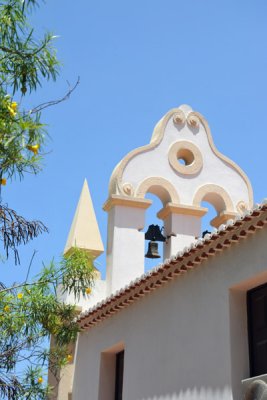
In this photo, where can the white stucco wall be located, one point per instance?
(185, 228)
(186, 340)
(125, 246)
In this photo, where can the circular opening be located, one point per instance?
(185, 157)
(181, 161)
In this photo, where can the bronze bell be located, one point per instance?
(154, 233)
(152, 251)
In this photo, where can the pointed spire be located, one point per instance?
(84, 232)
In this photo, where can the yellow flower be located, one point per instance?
(69, 357)
(14, 105)
(6, 308)
(88, 290)
(40, 379)
(34, 148)
(19, 296)
(12, 110)
(3, 181)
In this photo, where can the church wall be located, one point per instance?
(124, 233)
(185, 341)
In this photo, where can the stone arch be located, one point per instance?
(160, 187)
(215, 195)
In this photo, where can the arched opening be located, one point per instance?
(216, 196)
(207, 218)
(151, 218)
(160, 193)
(160, 187)
(215, 205)
(218, 202)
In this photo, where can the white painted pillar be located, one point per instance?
(126, 242)
(182, 225)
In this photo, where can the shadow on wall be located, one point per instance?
(195, 394)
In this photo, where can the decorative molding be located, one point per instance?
(181, 209)
(162, 183)
(115, 185)
(128, 189)
(190, 153)
(242, 207)
(222, 218)
(193, 120)
(211, 189)
(179, 117)
(117, 200)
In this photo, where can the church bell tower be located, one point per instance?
(181, 166)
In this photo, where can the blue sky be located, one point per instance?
(136, 60)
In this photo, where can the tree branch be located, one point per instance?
(42, 106)
(16, 230)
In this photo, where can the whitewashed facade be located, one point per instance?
(182, 326)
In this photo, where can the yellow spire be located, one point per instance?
(84, 232)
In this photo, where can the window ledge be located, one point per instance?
(247, 382)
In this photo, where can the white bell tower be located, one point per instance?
(183, 168)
